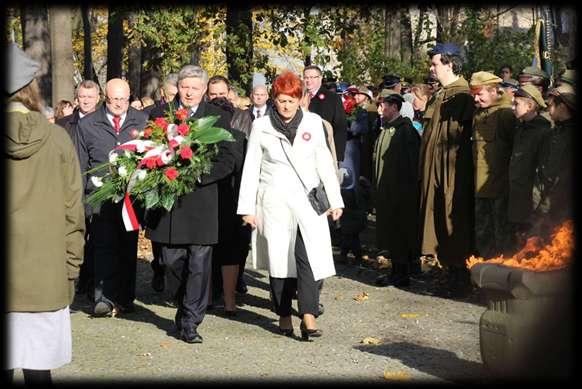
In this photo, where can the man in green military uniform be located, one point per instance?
(395, 161)
(526, 158)
(493, 130)
(446, 169)
(532, 75)
(556, 170)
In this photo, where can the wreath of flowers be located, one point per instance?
(161, 163)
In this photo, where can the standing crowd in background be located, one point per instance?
(447, 168)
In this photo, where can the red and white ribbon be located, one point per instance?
(128, 214)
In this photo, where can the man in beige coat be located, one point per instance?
(446, 169)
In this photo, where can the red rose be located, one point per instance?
(173, 143)
(186, 153)
(150, 163)
(349, 104)
(159, 161)
(181, 114)
(171, 173)
(147, 132)
(183, 129)
(161, 122)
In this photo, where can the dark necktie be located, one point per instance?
(259, 113)
(116, 124)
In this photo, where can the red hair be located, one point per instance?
(288, 83)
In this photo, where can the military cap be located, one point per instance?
(534, 71)
(484, 78)
(387, 92)
(394, 98)
(569, 77)
(531, 92)
(21, 69)
(510, 83)
(390, 80)
(446, 48)
(564, 93)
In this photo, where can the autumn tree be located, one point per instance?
(61, 52)
(36, 43)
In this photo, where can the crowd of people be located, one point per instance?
(449, 167)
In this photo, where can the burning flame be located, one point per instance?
(537, 257)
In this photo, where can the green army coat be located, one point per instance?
(446, 175)
(493, 131)
(526, 159)
(395, 161)
(46, 221)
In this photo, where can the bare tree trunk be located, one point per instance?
(115, 41)
(134, 62)
(62, 53)
(239, 31)
(36, 42)
(405, 36)
(88, 71)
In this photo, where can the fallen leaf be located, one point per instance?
(361, 297)
(396, 376)
(339, 297)
(165, 344)
(409, 315)
(371, 340)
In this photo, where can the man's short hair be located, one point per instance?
(193, 71)
(217, 79)
(172, 79)
(87, 84)
(313, 67)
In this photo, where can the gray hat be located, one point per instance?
(21, 69)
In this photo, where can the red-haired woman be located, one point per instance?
(287, 156)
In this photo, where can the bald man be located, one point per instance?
(115, 249)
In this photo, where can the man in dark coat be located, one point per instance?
(446, 169)
(261, 105)
(87, 95)
(396, 190)
(115, 249)
(189, 230)
(328, 105)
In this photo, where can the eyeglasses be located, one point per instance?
(118, 99)
(310, 77)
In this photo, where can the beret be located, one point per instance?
(445, 48)
(21, 69)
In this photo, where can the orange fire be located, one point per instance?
(537, 257)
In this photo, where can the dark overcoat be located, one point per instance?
(446, 175)
(396, 188)
(328, 105)
(194, 218)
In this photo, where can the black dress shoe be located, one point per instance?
(190, 336)
(102, 309)
(286, 332)
(307, 332)
(228, 313)
(159, 282)
(130, 308)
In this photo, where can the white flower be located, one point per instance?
(127, 153)
(141, 174)
(113, 158)
(122, 171)
(171, 131)
(167, 156)
(97, 181)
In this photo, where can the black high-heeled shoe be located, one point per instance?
(307, 332)
(286, 332)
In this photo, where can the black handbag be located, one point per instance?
(316, 196)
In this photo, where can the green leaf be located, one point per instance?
(205, 122)
(212, 135)
(152, 198)
(168, 202)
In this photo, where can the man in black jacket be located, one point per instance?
(189, 230)
(115, 249)
(87, 95)
(328, 105)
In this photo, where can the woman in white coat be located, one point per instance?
(288, 147)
